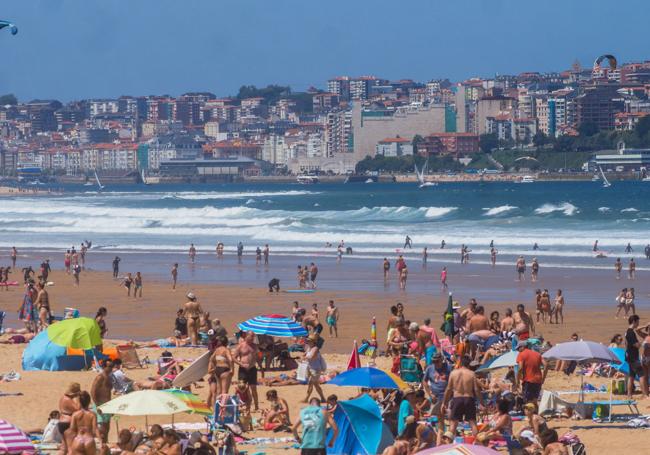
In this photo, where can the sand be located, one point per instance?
(153, 315)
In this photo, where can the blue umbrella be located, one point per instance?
(623, 367)
(275, 325)
(371, 378)
(509, 359)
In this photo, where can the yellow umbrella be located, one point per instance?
(399, 381)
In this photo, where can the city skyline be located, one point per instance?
(72, 50)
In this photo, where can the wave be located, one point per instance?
(604, 209)
(493, 211)
(629, 209)
(565, 207)
(193, 196)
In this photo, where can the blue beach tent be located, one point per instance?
(361, 428)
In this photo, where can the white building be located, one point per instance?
(394, 146)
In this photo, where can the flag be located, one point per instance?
(448, 324)
(354, 361)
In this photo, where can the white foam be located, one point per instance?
(629, 209)
(493, 211)
(604, 209)
(565, 207)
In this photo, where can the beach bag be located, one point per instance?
(302, 371)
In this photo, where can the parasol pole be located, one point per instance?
(146, 424)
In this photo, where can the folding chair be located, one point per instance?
(410, 369)
(129, 356)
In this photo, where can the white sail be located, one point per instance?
(99, 184)
(606, 183)
(418, 174)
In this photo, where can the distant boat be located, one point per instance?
(606, 183)
(369, 181)
(645, 179)
(307, 179)
(527, 179)
(99, 184)
(595, 178)
(420, 176)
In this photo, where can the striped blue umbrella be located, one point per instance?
(275, 325)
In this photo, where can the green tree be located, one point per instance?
(539, 139)
(642, 128)
(488, 142)
(8, 99)
(588, 129)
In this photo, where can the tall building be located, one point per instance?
(338, 133)
(340, 86)
(597, 105)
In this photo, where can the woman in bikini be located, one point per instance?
(100, 317)
(557, 308)
(128, 281)
(68, 405)
(43, 305)
(83, 418)
(220, 371)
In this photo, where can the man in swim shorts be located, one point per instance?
(100, 392)
(332, 318)
(462, 393)
(245, 355)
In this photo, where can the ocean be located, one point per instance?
(154, 225)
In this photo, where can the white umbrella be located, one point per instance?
(146, 403)
(509, 359)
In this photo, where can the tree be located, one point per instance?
(417, 140)
(8, 99)
(539, 139)
(588, 129)
(488, 142)
(643, 126)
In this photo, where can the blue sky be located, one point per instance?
(70, 49)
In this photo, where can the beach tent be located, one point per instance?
(361, 429)
(49, 349)
(13, 440)
(275, 325)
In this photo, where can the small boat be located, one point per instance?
(99, 184)
(645, 179)
(307, 179)
(595, 178)
(527, 179)
(369, 181)
(606, 183)
(420, 176)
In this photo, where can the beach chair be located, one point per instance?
(129, 356)
(410, 369)
(226, 411)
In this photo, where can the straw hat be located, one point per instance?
(73, 389)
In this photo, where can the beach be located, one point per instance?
(152, 317)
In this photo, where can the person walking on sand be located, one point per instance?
(443, 278)
(493, 256)
(137, 282)
(386, 268)
(76, 271)
(403, 276)
(174, 275)
(618, 267)
(100, 392)
(127, 282)
(425, 256)
(520, 266)
(42, 303)
(313, 273)
(265, 253)
(632, 347)
(332, 318)
(192, 311)
(192, 253)
(557, 307)
(314, 421)
(14, 256)
(116, 266)
(258, 256)
(631, 270)
(534, 270)
(462, 394)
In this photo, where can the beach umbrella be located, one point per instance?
(459, 449)
(78, 333)
(12, 440)
(623, 367)
(196, 405)
(368, 377)
(509, 359)
(354, 361)
(275, 325)
(581, 351)
(145, 403)
(399, 381)
(448, 324)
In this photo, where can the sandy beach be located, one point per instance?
(152, 317)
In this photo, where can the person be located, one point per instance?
(442, 244)
(403, 276)
(51, 432)
(174, 275)
(632, 346)
(82, 418)
(535, 246)
(499, 425)
(386, 268)
(332, 318)
(192, 311)
(628, 248)
(116, 267)
(407, 242)
(462, 394)
(434, 383)
(551, 444)
(507, 323)
(67, 261)
(315, 366)
(121, 383)
(42, 303)
(618, 267)
(621, 299)
(524, 325)
(14, 256)
(493, 256)
(595, 248)
(100, 392)
(83, 443)
(137, 282)
(629, 301)
(192, 252)
(631, 270)
(535, 422)
(425, 255)
(220, 370)
(245, 355)
(258, 256)
(127, 282)
(406, 410)
(313, 273)
(172, 444)
(100, 317)
(68, 405)
(274, 285)
(82, 254)
(521, 268)
(76, 271)
(645, 361)
(616, 341)
(534, 270)
(314, 422)
(45, 271)
(240, 251)
(265, 252)
(278, 414)
(530, 373)
(557, 307)
(443, 278)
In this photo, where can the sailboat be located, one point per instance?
(606, 183)
(144, 178)
(420, 176)
(99, 184)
